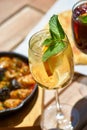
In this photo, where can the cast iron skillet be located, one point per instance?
(30, 97)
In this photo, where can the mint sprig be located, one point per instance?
(83, 19)
(54, 44)
(56, 28)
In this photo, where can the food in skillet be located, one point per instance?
(16, 82)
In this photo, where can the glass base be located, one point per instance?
(50, 120)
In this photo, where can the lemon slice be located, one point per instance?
(46, 63)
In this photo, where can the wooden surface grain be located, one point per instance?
(18, 18)
(15, 29)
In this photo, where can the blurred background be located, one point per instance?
(18, 18)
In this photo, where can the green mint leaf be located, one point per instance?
(55, 43)
(53, 50)
(47, 42)
(83, 19)
(56, 28)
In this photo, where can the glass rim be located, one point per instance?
(35, 34)
(42, 31)
(78, 3)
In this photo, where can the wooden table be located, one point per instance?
(30, 115)
(18, 18)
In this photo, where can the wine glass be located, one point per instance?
(55, 73)
(79, 25)
(79, 28)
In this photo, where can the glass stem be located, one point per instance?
(59, 111)
(62, 122)
(60, 116)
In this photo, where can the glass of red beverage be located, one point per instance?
(79, 25)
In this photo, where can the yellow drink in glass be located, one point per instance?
(57, 70)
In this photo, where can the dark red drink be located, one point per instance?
(79, 25)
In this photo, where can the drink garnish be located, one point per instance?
(83, 18)
(55, 43)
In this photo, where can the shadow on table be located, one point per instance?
(17, 117)
(81, 107)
